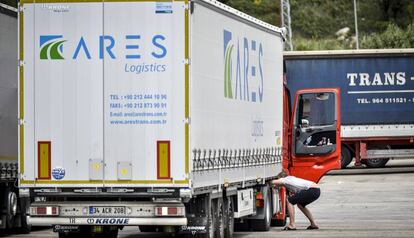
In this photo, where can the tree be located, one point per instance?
(392, 37)
(265, 10)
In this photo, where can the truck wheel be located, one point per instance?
(23, 205)
(25, 226)
(219, 207)
(264, 224)
(11, 207)
(229, 217)
(345, 157)
(376, 163)
(211, 218)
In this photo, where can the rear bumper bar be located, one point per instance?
(164, 221)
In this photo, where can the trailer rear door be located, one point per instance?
(103, 93)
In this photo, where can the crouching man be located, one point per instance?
(301, 192)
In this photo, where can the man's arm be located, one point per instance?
(277, 183)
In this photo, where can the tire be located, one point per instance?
(229, 217)
(10, 199)
(24, 204)
(264, 224)
(220, 221)
(376, 163)
(25, 226)
(346, 157)
(211, 219)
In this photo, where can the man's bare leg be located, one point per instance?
(308, 214)
(291, 211)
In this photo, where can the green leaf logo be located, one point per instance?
(51, 47)
(228, 49)
(227, 72)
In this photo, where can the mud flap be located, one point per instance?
(66, 228)
(196, 225)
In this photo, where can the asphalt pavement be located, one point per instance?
(363, 204)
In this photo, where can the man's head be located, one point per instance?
(282, 174)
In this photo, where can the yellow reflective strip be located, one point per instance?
(8, 158)
(21, 95)
(44, 160)
(137, 182)
(187, 87)
(21, 155)
(187, 147)
(163, 160)
(26, 1)
(21, 90)
(21, 18)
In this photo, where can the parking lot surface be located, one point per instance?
(355, 205)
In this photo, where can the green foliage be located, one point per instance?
(318, 19)
(302, 44)
(315, 22)
(392, 37)
(265, 10)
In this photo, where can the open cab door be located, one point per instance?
(315, 135)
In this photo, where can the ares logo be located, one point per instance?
(228, 49)
(51, 47)
(247, 85)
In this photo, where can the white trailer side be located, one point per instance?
(246, 117)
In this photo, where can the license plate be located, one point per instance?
(107, 211)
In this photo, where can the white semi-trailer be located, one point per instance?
(164, 115)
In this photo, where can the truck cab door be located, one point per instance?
(316, 141)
